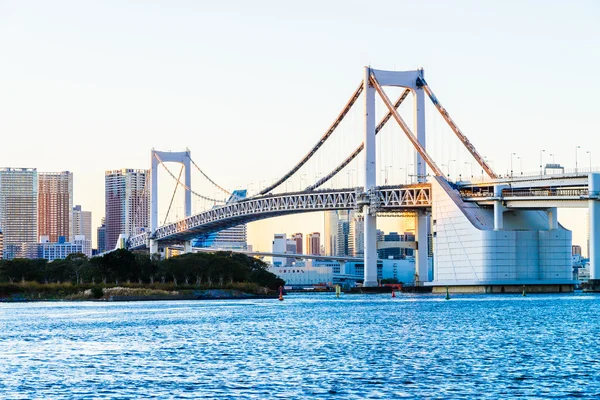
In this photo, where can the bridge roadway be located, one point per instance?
(565, 190)
(382, 199)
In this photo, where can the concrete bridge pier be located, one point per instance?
(594, 222)
(421, 258)
(187, 247)
(153, 246)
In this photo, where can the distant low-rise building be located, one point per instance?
(62, 248)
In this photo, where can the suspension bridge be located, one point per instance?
(487, 233)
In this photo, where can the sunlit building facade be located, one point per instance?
(127, 203)
(18, 209)
(82, 223)
(55, 204)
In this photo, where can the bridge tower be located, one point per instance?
(411, 80)
(157, 157)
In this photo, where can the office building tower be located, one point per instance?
(55, 204)
(343, 233)
(101, 237)
(576, 250)
(234, 238)
(279, 246)
(18, 209)
(298, 238)
(1, 245)
(82, 223)
(356, 236)
(127, 203)
(330, 234)
(313, 243)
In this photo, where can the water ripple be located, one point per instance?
(541, 346)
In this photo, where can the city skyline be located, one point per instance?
(126, 92)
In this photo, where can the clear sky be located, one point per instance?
(249, 87)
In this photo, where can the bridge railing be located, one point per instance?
(545, 192)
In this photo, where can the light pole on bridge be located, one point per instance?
(348, 173)
(470, 164)
(541, 161)
(511, 164)
(410, 175)
(576, 151)
(589, 152)
(520, 164)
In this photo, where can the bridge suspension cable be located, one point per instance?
(413, 139)
(208, 179)
(421, 81)
(360, 148)
(183, 184)
(173, 197)
(323, 139)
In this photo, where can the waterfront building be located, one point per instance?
(82, 223)
(313, 243)
(297, 237)
(127, 203)
(60, 250)
(55, 204)
(279, 246)
(234, 238)
(18, 209)
(101, 236)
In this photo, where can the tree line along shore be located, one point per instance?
(124, 274)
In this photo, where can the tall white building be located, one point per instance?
(279, 246)
(82, 223)
(330, 234)
(127, 203)
(18, 209)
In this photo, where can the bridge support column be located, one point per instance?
(553, 218)
(153, 246)
(498, 209)
(422, 256)
(419, 116)
(370, 230)
(187, 247)
(594, 221)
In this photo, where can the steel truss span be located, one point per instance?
(384, 199)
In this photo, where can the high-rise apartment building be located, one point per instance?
(127, 203)
(1, 245)
(313, 243)
(297, 237)
(18, 209)
(55, 204)
(101, 237)
(82, 223)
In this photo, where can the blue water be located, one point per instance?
(308, 346)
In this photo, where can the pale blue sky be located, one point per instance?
(250, 86)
